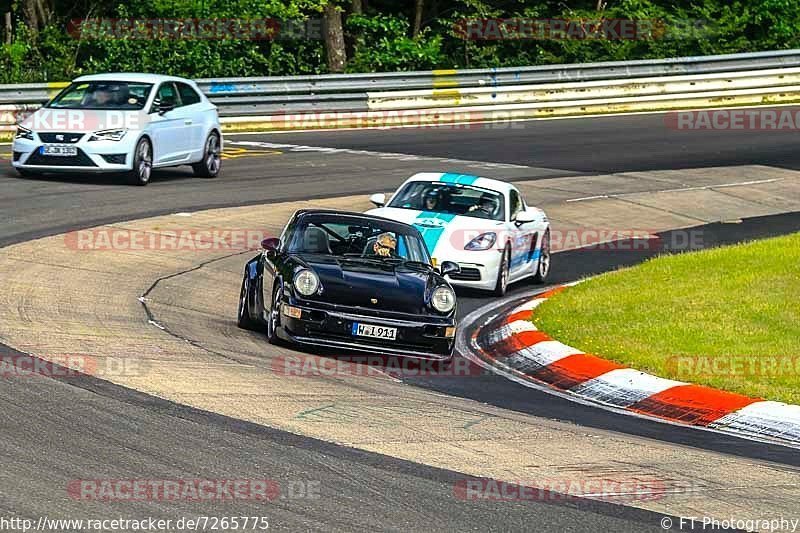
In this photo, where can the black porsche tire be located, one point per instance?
(501, 286)
(545, 260)
(142, 163)
(243, 319)
(274, 319)
(210, 165)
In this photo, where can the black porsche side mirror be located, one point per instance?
(449, 267)
(271, 244)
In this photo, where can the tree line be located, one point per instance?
(49, 40)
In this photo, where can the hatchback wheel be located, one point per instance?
(142, 163)
(210, 165)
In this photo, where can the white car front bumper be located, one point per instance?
(94, 156)
(478, 269)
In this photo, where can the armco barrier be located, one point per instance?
(357, 100)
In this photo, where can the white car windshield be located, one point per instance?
(451, 198)
(102, 95)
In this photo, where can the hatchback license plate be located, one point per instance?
(376, 332)
(61, 151)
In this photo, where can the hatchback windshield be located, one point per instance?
(454, 199)
(358, 238)
(102, 95)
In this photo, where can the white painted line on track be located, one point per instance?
(678, 189)
(538, 119)
(383, 155)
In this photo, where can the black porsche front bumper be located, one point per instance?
(421, 337)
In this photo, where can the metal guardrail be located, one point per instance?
(339, 92)
(274, 103)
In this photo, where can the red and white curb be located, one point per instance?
(512, 344)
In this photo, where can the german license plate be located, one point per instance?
(58, 150)
(376, 332)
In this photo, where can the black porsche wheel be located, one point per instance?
(501, 286)
(243, 319)
(142, 163)
(274, 321)
(211, 163)
(543, 268)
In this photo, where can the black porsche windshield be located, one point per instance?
(450, 198)
(358, 238)
(102, 95)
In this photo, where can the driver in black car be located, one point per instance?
(385, 245)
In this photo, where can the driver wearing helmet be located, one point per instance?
(433, 200)
(485, 206)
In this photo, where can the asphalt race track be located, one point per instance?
(53, 431)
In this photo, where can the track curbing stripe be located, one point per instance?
(512, 342)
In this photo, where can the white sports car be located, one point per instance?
(482, 224)
(125, 123)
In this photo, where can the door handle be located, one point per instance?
(187, 122)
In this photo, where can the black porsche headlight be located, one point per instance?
(443, 299)
(306, 282)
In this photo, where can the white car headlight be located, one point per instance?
(484, 241)
(443, 299)
(23, 133)
(108, 135)
(306, 282)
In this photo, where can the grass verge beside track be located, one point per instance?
(727, 317)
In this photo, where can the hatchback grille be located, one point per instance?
(63, 138)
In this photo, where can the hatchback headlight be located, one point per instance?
(484, 241)
(443, 299)
(306, 282)
(23, 133)
(108, 135)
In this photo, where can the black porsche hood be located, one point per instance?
(372, 284)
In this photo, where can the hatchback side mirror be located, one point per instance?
(449, 267)
(165, 107)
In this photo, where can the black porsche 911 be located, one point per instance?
(351, 281)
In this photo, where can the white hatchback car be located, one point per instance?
(125, 123)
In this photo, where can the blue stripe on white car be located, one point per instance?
(460, 179)
(432, 225)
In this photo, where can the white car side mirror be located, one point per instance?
(379, 199)
(524, 217)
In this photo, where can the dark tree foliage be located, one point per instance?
(41, 40)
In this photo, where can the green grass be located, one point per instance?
(721, 317)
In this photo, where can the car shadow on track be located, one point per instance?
(104, 178)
